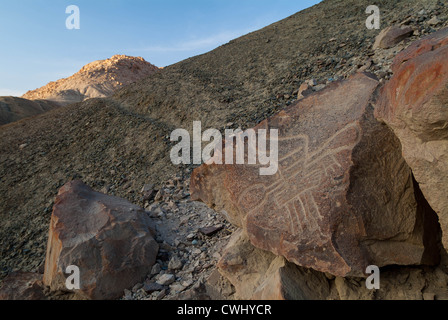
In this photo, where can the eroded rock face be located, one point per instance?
(414, 103)
(109, 239)
(260, 275)
(343, 197)
(22, 286)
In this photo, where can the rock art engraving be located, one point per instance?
(302, 172)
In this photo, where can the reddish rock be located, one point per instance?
(391, 36)
(109, 239)
(260, 275)
(414, 103)
(343, 197)
(22, 286)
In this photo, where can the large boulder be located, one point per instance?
(414, 103)
(110, 240)
(343, 197)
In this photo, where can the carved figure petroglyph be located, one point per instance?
(303, 174)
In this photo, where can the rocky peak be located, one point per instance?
(97, 79)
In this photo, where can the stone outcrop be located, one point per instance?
(260, 275)
(109, 239)
(22, 286)
(343, 197)
(414, 103)
(391, 36)
(97, 79)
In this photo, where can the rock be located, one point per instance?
(319, 87)
(366, 66)
(156, 269)
(161, 295)
(109, 239)
(148, 192)
(260, 275)
(22, 286)
(311, 82)
(152, 287)
(175, 263)
(166, 279)
(137, 287)
(304, 90)
(159, 195)
(210, 231)
(353, 289)
(191, 236)
(414, 104)
(218, 287)
(177, 288)
(434, 21)
(391, 36)
(343, 197)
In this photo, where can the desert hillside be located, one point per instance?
(298, 68)
(13, 108)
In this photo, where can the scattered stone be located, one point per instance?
(161, 295)
(191, 236)
(148, 192)
(166, 279)
(319, 87)
(391, 36)
(156, 269)
(152, 287)
(177, 288)
(434, 21)
(137, 287)
(175, 263)
(304, 90)
(210, 231)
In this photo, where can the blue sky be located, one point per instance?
(36, 47)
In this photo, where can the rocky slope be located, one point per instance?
(13, 109)
(120, 144)
(95, 80)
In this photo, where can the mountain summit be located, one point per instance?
(97, 79)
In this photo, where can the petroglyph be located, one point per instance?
(303, 174)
